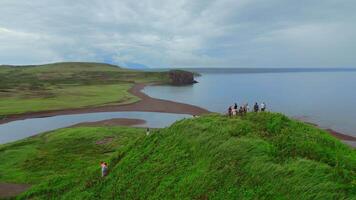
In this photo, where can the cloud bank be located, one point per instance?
(180, 33)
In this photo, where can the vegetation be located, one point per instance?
(258, 156)
(68, 151)
(68, 85)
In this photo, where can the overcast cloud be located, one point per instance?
(180, 33)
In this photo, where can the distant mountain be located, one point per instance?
(133, 65)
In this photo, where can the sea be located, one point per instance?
(326, 97)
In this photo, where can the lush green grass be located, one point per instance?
(69, 97)
(67, 85)
(69, 151)
(259, 156)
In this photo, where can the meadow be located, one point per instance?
(257, 156)
(59, 86)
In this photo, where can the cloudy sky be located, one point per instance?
(180, 33)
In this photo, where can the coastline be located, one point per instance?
(145, 104)
(341, 136)
(332, 132)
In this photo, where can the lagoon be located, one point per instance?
(20, 129)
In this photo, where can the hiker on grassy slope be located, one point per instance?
(104, 169)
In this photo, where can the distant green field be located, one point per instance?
(258, 156)
(67, 85)
(68, 97)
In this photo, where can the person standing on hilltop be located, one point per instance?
(263, 106)
(234, 111)
(235, 106)
(244, 108)
(241, 111)
(229, 111)
(255, 107)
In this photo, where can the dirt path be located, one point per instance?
(11, 189)
(146, 103)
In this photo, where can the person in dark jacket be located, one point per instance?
(255, 107)
(229, 111)
(241, 111)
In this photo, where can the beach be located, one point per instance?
(145, 104)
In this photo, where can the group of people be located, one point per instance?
(243, 109)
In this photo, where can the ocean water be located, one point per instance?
(325, 98)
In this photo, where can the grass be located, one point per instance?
(68, 85)
(65, 151)
(69, 97)
(258, 156)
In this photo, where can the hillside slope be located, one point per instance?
(258, 156)
(57, 86)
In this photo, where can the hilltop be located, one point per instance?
(258, 156)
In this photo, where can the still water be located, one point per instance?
(325, 98)
(20, 129)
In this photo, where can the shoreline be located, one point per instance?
(145, 104)
(341, 136)
(332, 132)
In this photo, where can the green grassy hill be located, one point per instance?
(258, 156)
(68, 85)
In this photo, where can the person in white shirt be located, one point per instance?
(234, 112)
(263, 106)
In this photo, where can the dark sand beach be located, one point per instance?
(146, 104)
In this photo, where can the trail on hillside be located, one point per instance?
(11, 189)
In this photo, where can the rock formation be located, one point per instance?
(180, 77)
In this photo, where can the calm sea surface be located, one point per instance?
(325, 98)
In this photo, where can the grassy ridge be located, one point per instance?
(67, 85)
(259, 156)
(66, 151)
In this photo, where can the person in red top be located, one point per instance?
(104, 169)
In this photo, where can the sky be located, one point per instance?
(180, 33)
